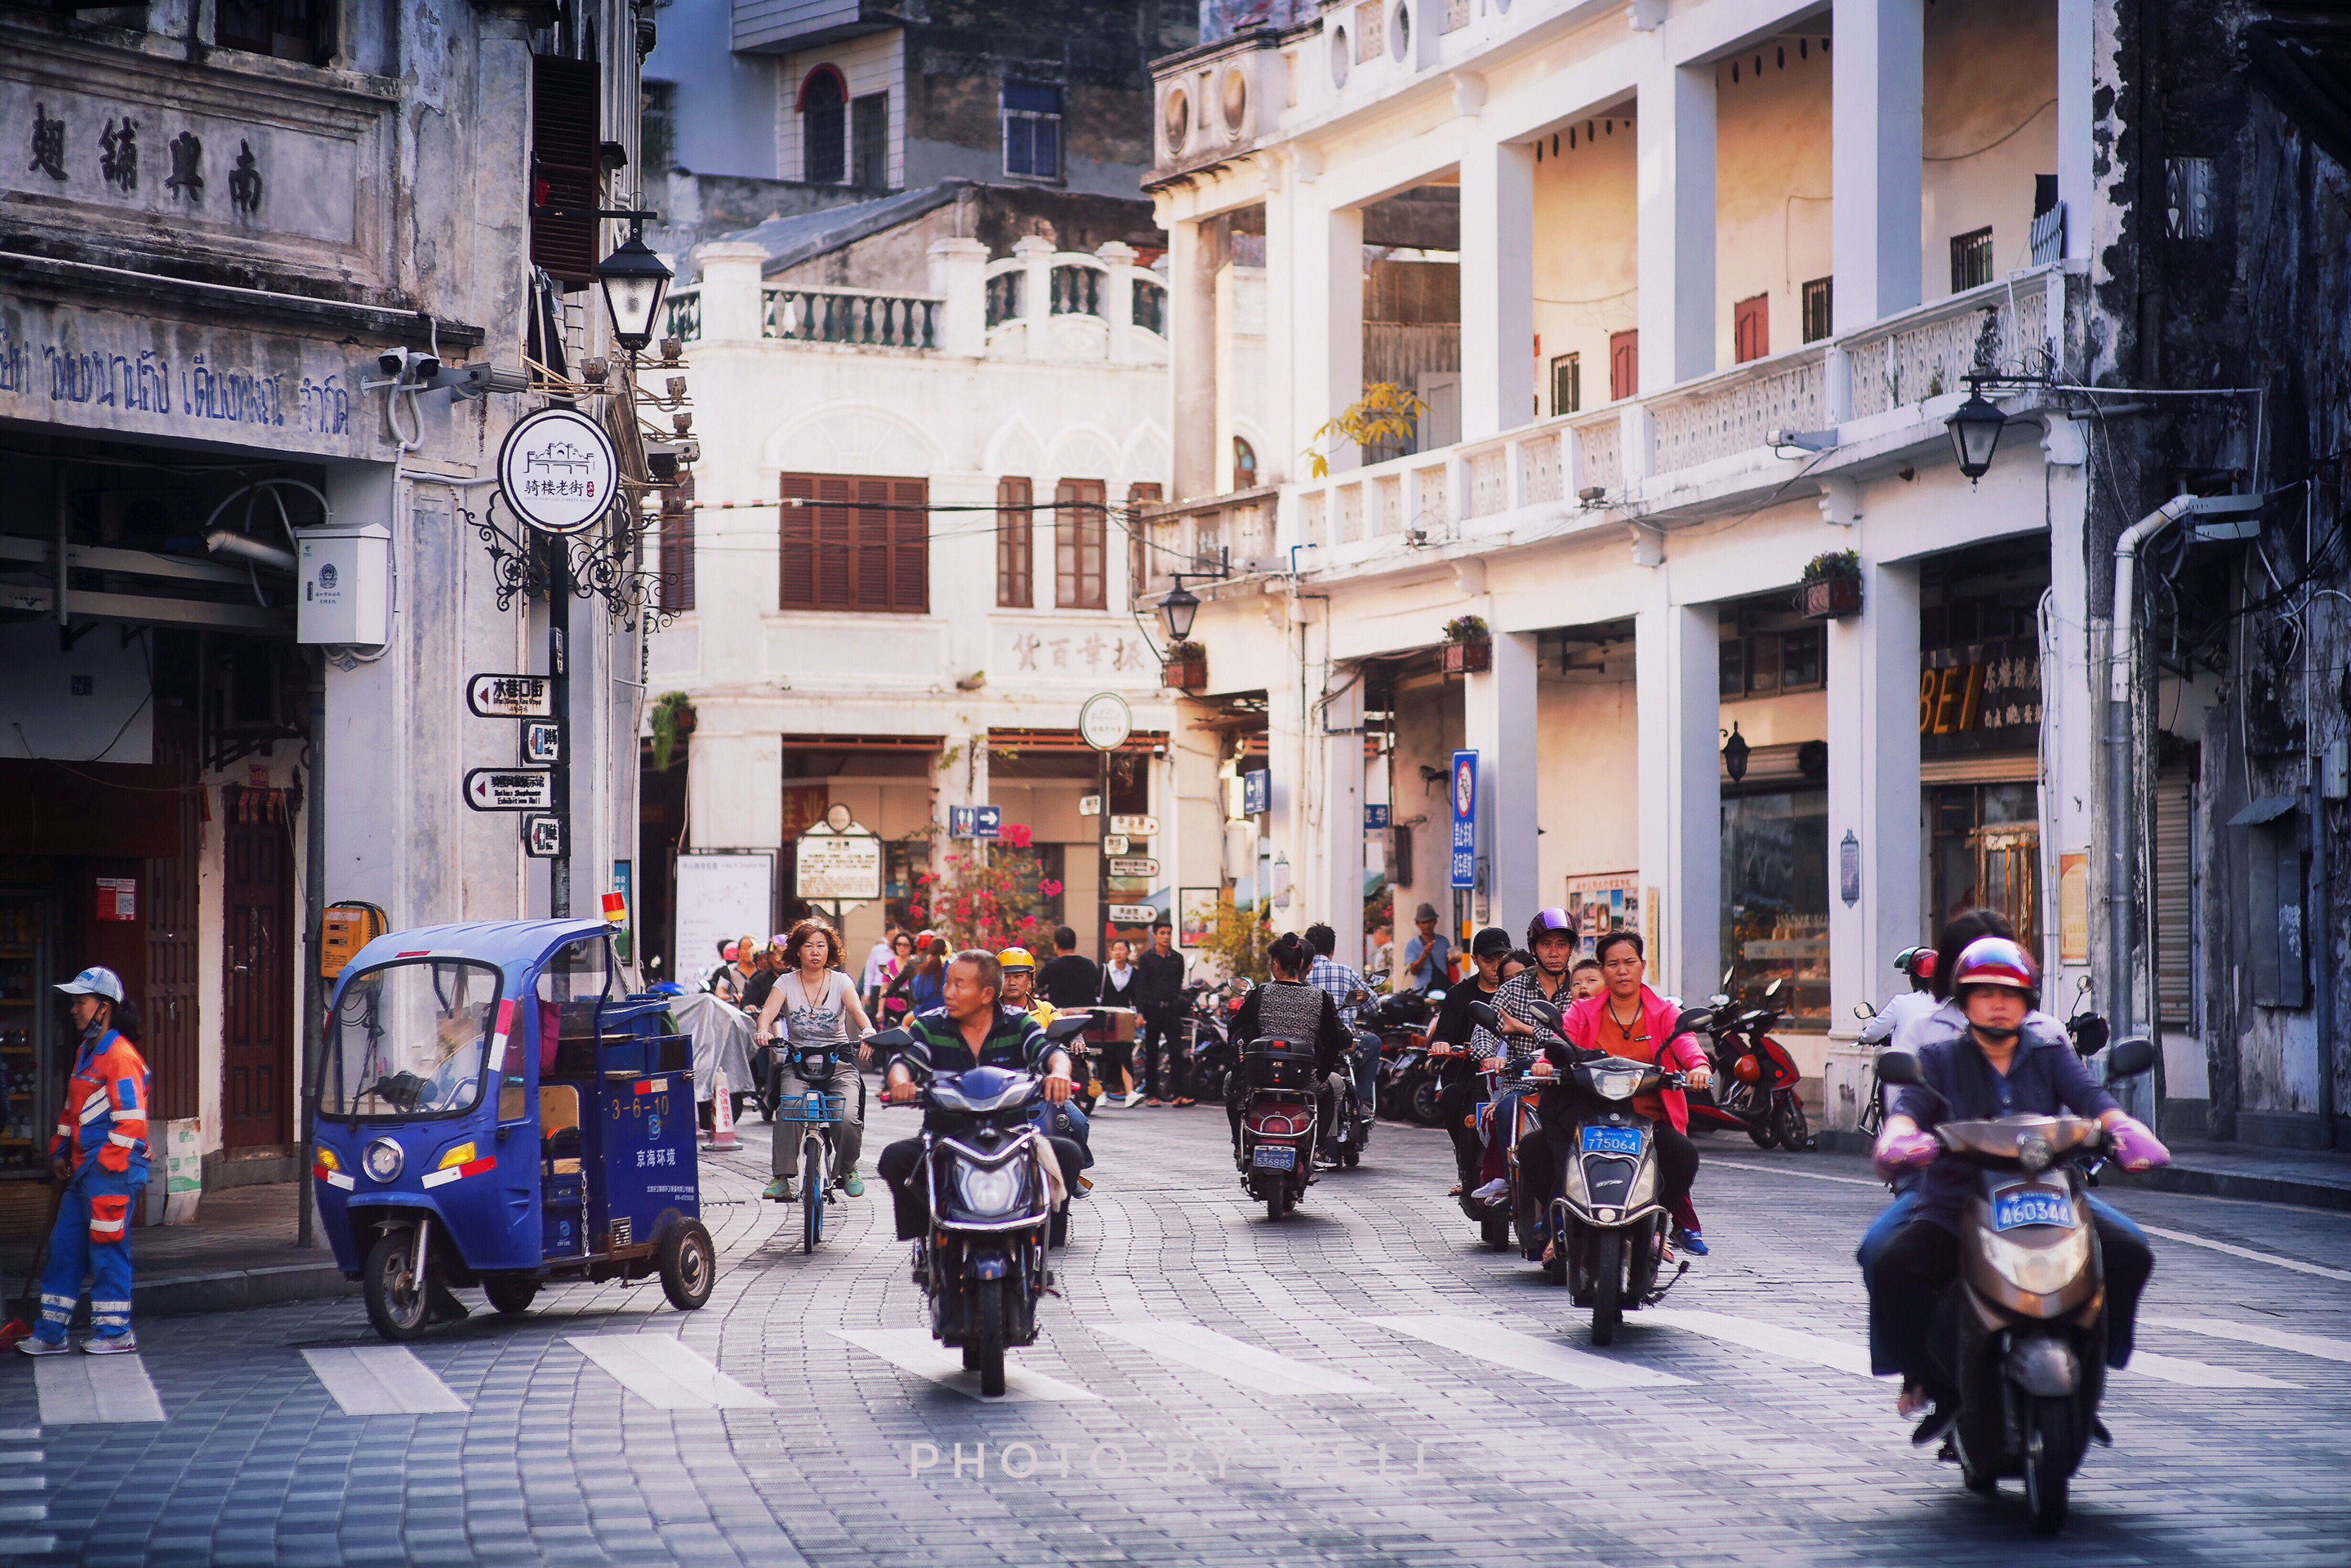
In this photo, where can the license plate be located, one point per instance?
(2022, 1205)
(1272, 1159)
(1612, 1140)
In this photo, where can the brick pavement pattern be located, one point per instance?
(1447, 1458)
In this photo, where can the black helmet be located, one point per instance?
(1491, 942)
(1553, 919)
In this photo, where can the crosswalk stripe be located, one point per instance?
(25, 1513)
(665, 1375)
(383, 1380)
(914, 1351)
(21, 1483)
(2197, 1374)
(14, 1546)
(2256, 1333)
(1481, 1340)
(2297, 1264)
(1791, 1344)
(83, 1390)
(1203, 1349)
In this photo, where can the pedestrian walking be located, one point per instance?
(98, 1157)
(1160, 994)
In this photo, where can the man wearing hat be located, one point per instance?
(1428, 955)
(99, 1157)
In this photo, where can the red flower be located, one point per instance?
(1019, 835)
(1049, 888)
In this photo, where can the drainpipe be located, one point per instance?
(2122, 700)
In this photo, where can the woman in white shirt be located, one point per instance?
(1120, 989)
(817, 1003)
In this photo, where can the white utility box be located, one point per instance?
(346, 571)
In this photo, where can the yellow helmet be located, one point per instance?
(1017, 959)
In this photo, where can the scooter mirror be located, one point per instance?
(1485, 1015)
(1900, 1067)
(1547, 1016)
(1864, 1011)
(1772, 990)
(1069, 1026)
(1692, 1019)
(2130, 1057)
(1720, 999)
(1437, 995)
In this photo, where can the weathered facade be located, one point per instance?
(2223, 287)
(256, 267)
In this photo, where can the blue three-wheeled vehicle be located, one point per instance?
(491, 1110)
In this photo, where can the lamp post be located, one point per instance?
(634, 281)
(1180, 605)
(1975, 429)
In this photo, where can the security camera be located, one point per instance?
(406, 367)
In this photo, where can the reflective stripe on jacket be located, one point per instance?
(105, 1113)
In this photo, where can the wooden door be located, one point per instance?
(257, 991)
(1751, 329)
(1623, 365)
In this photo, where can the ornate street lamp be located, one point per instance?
(1975, 430)
(634, 283)
(1734, 754)
(1177, 609)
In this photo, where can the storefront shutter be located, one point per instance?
(2174, 897)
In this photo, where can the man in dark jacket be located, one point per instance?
(1468, 1042)
(1159, 986)
(1072, 980)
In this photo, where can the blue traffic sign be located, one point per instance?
(1464, 821)
(1257, 793)
(1375, 819)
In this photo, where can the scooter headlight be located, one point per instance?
(383, 1160)
(989, 1192)
(2037, 1270)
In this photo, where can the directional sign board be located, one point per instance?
(1133, 866)
(542, 837)
(1375, 819)
(1464, 861)
(510, 696)
(1115, 843)
(1257, 793)
(975, 822)
(510, 789)
(843, 867)
(542, 741)
(1134, 913)
(1135, 827)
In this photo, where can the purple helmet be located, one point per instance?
(1553, 919)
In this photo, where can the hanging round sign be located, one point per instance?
(1105, 721)
(558, 471)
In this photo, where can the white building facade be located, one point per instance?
(922, 634)
(1719, 271)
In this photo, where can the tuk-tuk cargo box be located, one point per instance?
(1114, 1025)
(631, 1054)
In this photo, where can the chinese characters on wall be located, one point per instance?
(54, 149)
(1090, 653)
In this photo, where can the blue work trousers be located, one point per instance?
(1899, 1213)
(95, 1193)
(1367, 1072)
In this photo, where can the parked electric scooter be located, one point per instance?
(1755, 1087)
(1607, 1229)
(2021, 1333)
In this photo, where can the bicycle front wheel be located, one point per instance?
(812, 1195)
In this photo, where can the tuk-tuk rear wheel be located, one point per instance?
(689, 1265)
(511, 1297)
(393, 1285)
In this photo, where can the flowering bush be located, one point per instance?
(975, 900)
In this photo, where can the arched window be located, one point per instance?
(1244, 464)
(824, 127)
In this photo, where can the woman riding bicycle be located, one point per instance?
(817, 1002)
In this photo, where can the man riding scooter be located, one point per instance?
(1068, 1119)
(1994, 1066)
(1459, 1043)
(1629, 1019)
(1550, 937)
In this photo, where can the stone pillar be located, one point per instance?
(731, 309)
(1035, 255)
(1677, 675)
(1497, 722)
(1192, 348)
(1873, 703)
(1498, 323)
(1338, 894)
(1289, 835)
(1118, 298)
(2074, 692)
(1328, 372)
(959, 276)
(1878, 129)
(1676, 186)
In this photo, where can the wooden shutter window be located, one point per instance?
(1015, 553)
(564, 95)
(1138, 553)
(1079, 524)
(859, 543)
(677, 548)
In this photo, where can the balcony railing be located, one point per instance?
(846, 316)
(1713, 432)
(683, 310)
(1076, 289)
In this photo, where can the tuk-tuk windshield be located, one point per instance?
(408, 1040)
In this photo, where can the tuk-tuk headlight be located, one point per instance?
(988, 1191)
(383, 1160)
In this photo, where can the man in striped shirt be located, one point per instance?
(973, 1029)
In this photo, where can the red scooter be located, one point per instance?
(1755, 1079)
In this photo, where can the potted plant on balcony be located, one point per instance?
(672, 720)
(1830, 589)
(1185, 668)
(1468, 646)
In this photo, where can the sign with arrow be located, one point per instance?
(1134, 913)
(1133, 866)
(1134, 826)
(510, 789)
(510, 696)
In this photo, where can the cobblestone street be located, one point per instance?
(1361, 1382)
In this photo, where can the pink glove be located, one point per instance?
(1899, 1152)
(2135, 1148)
